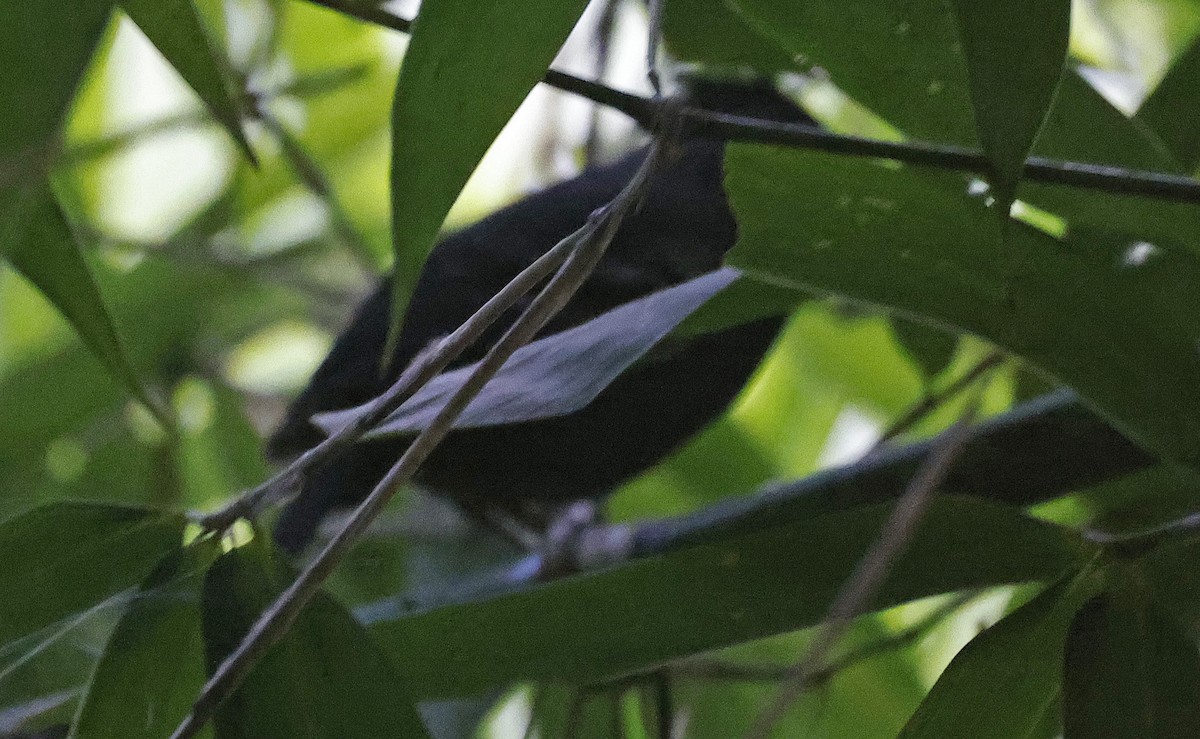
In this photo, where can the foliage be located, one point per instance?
(168, 281)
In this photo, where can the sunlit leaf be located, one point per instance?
(868, 697)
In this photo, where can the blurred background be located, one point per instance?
(228, 282)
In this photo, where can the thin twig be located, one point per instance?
(864, 583)
(1062, 445)
(302, 87)
(370, 12)
(575, 714)
(591, 242)
(604, 30)
(1100, 177)
(314, 179)
(931, 402)
(664, 702)
(654, 23)
(705, 669)
(641, 109)
(1136, 543)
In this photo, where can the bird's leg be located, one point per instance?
(562, 536)
(504, 521)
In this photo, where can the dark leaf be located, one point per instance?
(915, 75)
(44, 50)
(324, 679)
(1129, 672)
(153, 666)
(725, 38)
(746, 299)
(1085, 127)
(1172, 109)
(38, 241)
(916, 78)
(1011, 100)
(1005, 680)
(929, 348)
(1173, 573)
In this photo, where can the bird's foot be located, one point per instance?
(577, 540)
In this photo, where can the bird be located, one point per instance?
(682, 229)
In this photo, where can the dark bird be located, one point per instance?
(681, 230)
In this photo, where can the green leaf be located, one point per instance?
(737, 588)
(725, 38)
(929, 348)
(39, 242)
(59, 560)
(1085, 127)
(175, 29)
(1172, 108)
(153, 666)
(1099, 312)
(915, 76)
(1173, 573)
(1129, 672)
(1003, 682)
(324, 679)
(468, 67)
(44, 49)
(867, 697)
(562, 711)
(1011, 100)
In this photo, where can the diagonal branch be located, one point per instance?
(934, 401)
(702, 669)
(424, 368)
(588, 246)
